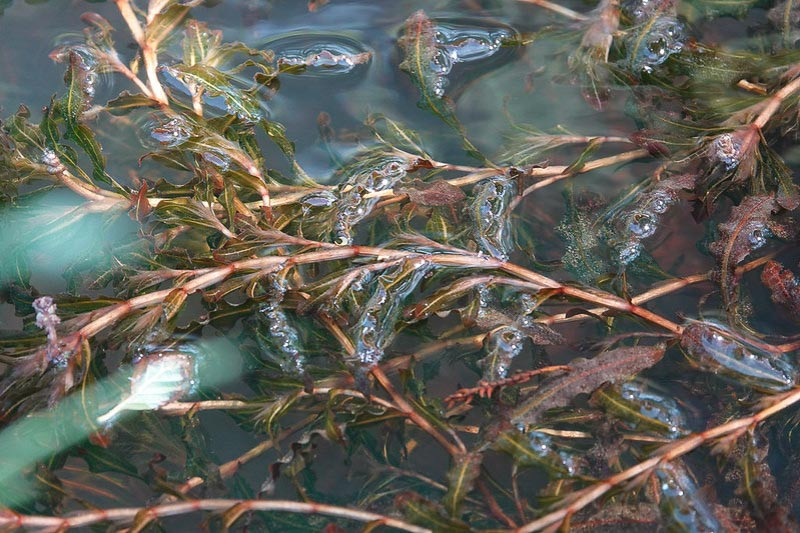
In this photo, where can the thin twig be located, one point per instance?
(624, 157)
(86, 518)
(555, 8)
(148, 49)
(103, 318)
(405, 408)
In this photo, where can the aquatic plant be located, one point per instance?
(450, 316)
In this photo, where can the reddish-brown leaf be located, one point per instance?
(783, 286)
(432, 194)
(746, 230)
(584, 377)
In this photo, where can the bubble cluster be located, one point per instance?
(655, 42)
(502, 346)
(171, 133)
(682, 502)
(458, 43)
(726, 150)
(354, 202)
(320, 54)
(714, 348)
(559, 461)
(83, 69)
(216, 158)
(655, 410)
(757, 234)
(641, 222)
(641, 10)
(283, 345)
(374, 329)
(52, 162)
(489, 213)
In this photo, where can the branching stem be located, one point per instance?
(730, 430)
(122, 514)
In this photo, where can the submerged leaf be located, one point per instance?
(423, 512)
(783, 286)
(585, 376)
(714, 348)
(432, 194)
(536, 449)
(462, 475)
(746, 230)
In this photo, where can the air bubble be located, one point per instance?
(726, 150)
(663, 38)
(757, 236)
(171, 133)
(320, 54)
(283, 344)
(464, 41)
(642, 225)
(503, 345)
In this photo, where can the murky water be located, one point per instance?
(506, 75)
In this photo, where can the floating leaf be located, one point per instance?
(584, 377)
(424, 61)
(239, 102)
(80, 80)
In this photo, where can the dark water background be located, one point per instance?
(529, 84)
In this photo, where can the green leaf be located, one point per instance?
(395, 134)
(424, 512)
(165, 22)
(84, 137)
(199, 42)
(277, 132)
(126, 102)
(420, 53)
(183, 211)
(462, 475)
(241, 103)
